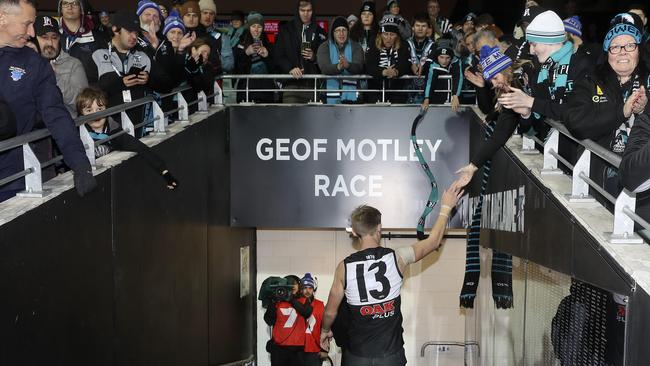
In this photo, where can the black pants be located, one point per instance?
(285, 356)
(396, 359)
(310, 359)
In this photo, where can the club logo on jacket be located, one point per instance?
(16, 73)
(599, 97)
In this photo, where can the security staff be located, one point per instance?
(29, 88)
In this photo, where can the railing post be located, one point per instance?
(550, 162)
(203, 102)
(218, 95)
(127, 124)
(89, 145)
(159, 122)
(33, 180)
(623, 232)
(183, 111)
(383, 90)
(528, 146)
(247, 91)
(315, 89)
(580, 188)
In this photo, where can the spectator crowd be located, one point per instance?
(541, 69)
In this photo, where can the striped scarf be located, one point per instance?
(501, 262)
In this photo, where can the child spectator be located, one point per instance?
(444, 63)
(92, 100)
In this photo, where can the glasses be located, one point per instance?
(628, 48)
(73, 4)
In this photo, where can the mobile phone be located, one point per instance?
(134, 70)
(305, 46)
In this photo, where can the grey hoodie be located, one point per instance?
(70, 78)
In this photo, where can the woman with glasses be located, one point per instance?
(606, 103)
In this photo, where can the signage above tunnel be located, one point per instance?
(309, 167)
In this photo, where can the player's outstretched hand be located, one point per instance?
(451, 196)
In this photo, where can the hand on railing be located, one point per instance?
(455, 103)
(84, 182)
(296, 72)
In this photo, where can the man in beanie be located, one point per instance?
(393, 10)
(340, 56)
(69, 72)
(104, 26)
(295, 51)
(29, 89)
(236, 28)
(311, 355)
(159, 49)
(221, 45)
(77, 36)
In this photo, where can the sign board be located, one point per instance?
(310, 166)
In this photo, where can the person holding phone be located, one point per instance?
(123, 71)
(295, 54)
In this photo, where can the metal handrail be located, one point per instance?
(316, 76)
(624, 216)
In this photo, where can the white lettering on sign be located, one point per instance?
(368, 150)
(283, 149)
(359, 186)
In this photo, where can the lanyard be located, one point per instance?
(124, 63)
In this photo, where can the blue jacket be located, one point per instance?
(29, 86)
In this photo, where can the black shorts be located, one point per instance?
(396, 359)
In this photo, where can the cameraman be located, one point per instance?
(288, 334)
(311, 355)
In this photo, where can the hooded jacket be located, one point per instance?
(288, 45)
(82, 43)
(70, 78)
(29, 88)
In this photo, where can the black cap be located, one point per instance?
(368, 6)
(127, 20)
(44, 24)
(531, 13)
(238, 15)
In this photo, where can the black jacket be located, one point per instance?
(7, 121)
(375, 69)
(554, 106)
(288, 46)
(506, 123)
(635, 166)
(166, 60)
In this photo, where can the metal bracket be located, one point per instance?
(183, 111)
(550, 162)
(203, 103)
(528, 146)
(579, 187)
(33, 180)
(623, 224)
(127, 124)
(218, 95)
(159, 122)
(89, 145)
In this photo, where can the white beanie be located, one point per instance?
(546, 28)
(208, 5)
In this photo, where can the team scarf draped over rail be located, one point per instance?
(433, 195)
(501, 262)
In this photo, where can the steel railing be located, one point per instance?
(624, 204)
(316, 89)
(33, 167)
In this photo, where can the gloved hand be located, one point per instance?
(169, 178)
(84, 181)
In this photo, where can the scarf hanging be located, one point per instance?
(336, 97)
(558, 64)
(433, 195)
(501, 262)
